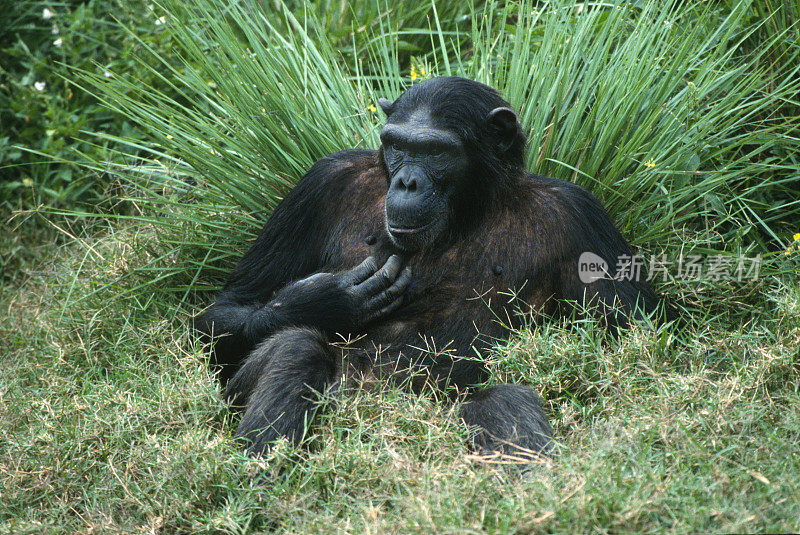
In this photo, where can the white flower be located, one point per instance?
(39, 86)
(47, 14)
(107, 74)
(55, 29)
(160, 21)
(58, 42)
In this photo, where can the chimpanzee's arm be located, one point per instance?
(271, 288)
(583, 226)
(289, 247)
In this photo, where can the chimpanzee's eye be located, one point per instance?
(437, 150)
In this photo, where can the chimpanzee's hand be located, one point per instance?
(377, 292)
(344, 301)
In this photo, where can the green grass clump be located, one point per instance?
(653, 102)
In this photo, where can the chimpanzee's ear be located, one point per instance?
(503, 124)
(386, 106)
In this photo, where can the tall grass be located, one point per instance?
(645, 102)
(653, 105)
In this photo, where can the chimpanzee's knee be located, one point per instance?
(279, 387)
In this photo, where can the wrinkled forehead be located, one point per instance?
(414, 118)
(419, 125)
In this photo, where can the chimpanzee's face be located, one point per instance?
(426, 166)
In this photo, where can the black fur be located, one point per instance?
(279, 386)
(467, 228)
(509, 419)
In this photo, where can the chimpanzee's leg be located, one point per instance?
(279, 385)
(509, 419)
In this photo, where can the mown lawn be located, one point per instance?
(111, 423)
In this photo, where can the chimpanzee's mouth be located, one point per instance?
(403, 230)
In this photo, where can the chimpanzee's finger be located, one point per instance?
(364, 270)
(391, 297)
(383, 278)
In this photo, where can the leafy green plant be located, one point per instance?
(351, 27)
(643, 102)
(42, 112)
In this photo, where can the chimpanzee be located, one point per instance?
(404, 265)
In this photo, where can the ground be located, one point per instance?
(111, 422)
